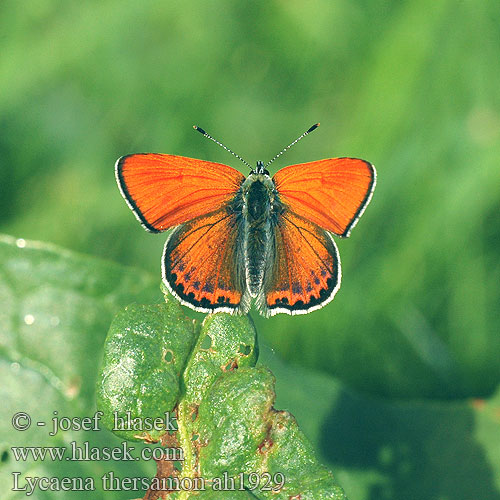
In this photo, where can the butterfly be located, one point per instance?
(235, 240)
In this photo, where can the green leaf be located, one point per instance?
(57, 305)
(146, 350)
(55, 309)
(225, 343)
(226, 422)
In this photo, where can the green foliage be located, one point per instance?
(145, 354)
(55, 307)
(411, 86)
(226, 423)
(216, 350)
(382, 449)
(378, 449)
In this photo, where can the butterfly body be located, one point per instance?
(235, 240)
(260, 207)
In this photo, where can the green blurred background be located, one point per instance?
(412, 86)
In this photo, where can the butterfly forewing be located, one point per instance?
(331, 193)
(166, 190)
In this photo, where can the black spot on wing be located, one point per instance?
(312, 301)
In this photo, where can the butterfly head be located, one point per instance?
(260, 169)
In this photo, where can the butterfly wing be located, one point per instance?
(331, 193)
(305, 274)
(203, 263)
(166, 190)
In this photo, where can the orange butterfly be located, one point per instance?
(238, 239)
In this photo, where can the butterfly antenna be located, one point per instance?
(314, 127)
(208, 136)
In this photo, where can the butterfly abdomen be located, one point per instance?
(257, 208)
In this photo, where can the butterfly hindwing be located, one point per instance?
(203, 263)
(166, 190)
(331, 193)
(306, 271)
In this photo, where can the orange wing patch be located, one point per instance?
(166, 190)
(306, 273)
(202, 263)
(331, 193)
